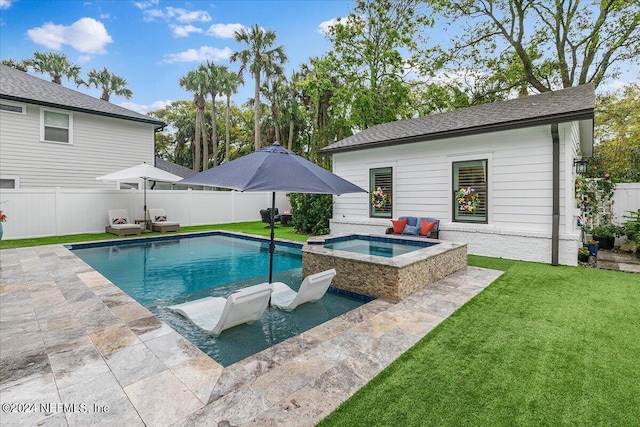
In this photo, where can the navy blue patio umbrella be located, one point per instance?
(274, 169)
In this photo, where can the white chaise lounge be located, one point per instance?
(313, 288)
(120, 224)
(159, 221)
(215, 314)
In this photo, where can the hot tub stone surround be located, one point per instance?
(390, 279)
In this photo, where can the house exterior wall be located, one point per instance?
(100, 145)
(519, 190)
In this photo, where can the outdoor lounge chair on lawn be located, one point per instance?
(159, 221)
(313, 288)
(120, 224)
(215, 314)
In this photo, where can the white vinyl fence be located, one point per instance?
(61, 211)
(626, 198)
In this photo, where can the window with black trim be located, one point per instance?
(56, 126)
(380, 192)
(470, 191)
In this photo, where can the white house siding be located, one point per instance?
(100, 145)
(519, 182)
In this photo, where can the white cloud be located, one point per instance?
(83, 59)
(184, 30)
(85, 35)
(144, 109)
(5, 4)
(224, 31)
(104, 16)
(145, 4)
(325, 26)
(198, 55)
(181, 15)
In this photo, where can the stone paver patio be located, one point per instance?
(75, 350)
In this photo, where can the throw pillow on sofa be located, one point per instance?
(426, 227)
(398, 225)
(411, 230)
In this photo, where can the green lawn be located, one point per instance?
(256, 228)
(541, 346)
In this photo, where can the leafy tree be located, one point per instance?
(229, 83)
(259, 57)
(181, 116)
(311, 212)
(617, 132)
(56, 65)
(196, 81)
(373, 53)
(108, 82)
(15, 63)
(545, 44)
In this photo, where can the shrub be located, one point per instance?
(631, 226)
(311, 212)
(607, 231)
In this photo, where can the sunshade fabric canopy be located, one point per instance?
(274, 168)
(143, 171)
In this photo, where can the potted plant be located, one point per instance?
(583, 254)
(606, 234)
(592, 247)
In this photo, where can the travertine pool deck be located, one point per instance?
(75, 350)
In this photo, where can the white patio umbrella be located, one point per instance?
(143, 171)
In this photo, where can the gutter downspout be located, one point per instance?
(555, 221)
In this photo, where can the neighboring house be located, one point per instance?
(517, 156)
(53, 136)
(175, 169)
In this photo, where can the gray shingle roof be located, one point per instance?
(17, 85)
(174, 168)
(575, 103)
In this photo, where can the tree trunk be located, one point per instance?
(214, 130)
(291, 129)
(256, 114)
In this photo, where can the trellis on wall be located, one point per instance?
(594, 197)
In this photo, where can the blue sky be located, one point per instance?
(153, 43)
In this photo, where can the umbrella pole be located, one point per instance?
(144, 182)
(272, 244)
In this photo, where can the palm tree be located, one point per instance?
(228, 86)
(108, 82)
(15, 63)
(214, 75)
(196, 82)
(56, 65)
(258, 57)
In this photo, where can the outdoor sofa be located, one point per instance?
(414, 226)
(159, 221)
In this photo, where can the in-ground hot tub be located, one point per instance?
(387, 267)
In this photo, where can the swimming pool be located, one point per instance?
(368, 245)
(159, 272)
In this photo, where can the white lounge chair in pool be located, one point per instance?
(215, 314)
(120, 224)
(313, 288)
(159, 221)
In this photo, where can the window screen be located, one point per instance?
(470, 191)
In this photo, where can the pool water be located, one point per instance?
(361, 245)
(162, 272)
